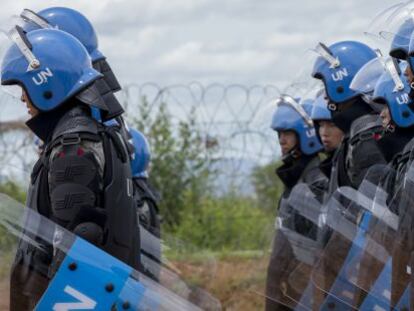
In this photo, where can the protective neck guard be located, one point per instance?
(344, 119)
(392, 143)
(290, 172)
(44, 123)
(111, 81)
(106, 87)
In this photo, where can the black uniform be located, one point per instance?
(283, 259)
(82, 181)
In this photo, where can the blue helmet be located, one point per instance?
(393, 90)
(78, 25)
(51, 65)
(320, 109)
(337, 65)
(142, 154)
(401, 40)
(290, 116)
(68, 20)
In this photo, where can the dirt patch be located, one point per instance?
(4, 296)
(237, 282)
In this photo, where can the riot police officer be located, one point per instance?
(401, 114)
(335, 67)
(300, 147)
(82, 179)
(389, 95)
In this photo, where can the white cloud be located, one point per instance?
(232, 41)
(196, 56)
(287, 40)
(133, 44)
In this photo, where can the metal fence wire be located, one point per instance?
(228, 117)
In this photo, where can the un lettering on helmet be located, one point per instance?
(42, 76)
(340, 74)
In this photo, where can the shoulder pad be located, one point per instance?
(75, 121)
(365, 123)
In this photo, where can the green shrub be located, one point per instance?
(179, 162)
(226, 224)
(268, 187)
(14, 191)
(7, 240)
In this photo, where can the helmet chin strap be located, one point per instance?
(292, 154)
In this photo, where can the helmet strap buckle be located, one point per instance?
(332, 107)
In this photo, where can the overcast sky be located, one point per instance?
(230, 41)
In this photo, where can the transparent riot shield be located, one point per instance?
(376, 262)
(319, 295)
(156, 263)
(372, 271)
(343, 226)
(334, 273)
(402, 261)
(55, 270)
(304, 201)
(163, 270)
(384, 280)
(294, 248)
